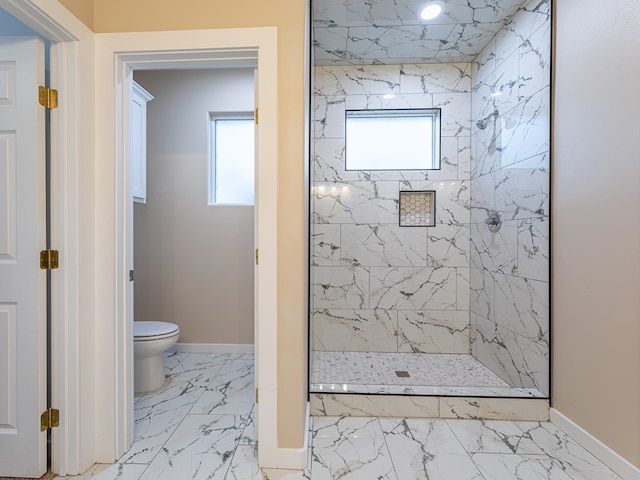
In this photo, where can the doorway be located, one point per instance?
(194, 255)
(170, 50)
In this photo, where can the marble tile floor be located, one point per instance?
(438, 374)
(200, 427)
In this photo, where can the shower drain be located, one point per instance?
(402, 373)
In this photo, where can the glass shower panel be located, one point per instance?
(452, 308)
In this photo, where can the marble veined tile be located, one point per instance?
(328, 116)
(114, 471)
(355, 330)
(532, 408)
(171, 360)
(329, 169)
(249, 433)
(197, 368)
(484, 63)
(378, 79)
(244, 465)
(355, 202)
(157, 416)
(448, 245)
(433, 332)
(448, 409)
(231, 392)
(340, 287)
(463, 283)
(383, 246)
(518, 467)
(455, 115)
(429, 434)
(329, 44)
(525, 129)
(413, 288)
(482, 293)
(499, 90)
(325, 241)
(451, 370)
(522, 192)
(529, 18)
(495, 251)
(466, 38)
(464, 158)
(535, 62)
(482, 197)
(520, 361)
(396, 41)
(201, 448)
(338, 428)
(488, 148)
(479, 436)
(388, 101)
(401, 404)
(435, 78)
(427, 449)
(522, 306)
(569, 455)
(355, 12)
(350, 448)
(533, 248)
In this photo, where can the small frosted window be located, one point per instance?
(232, 160)
(392, 139)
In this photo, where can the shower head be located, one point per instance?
(482, 124)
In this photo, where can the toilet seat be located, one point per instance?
(148, 330)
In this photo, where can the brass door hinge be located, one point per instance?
(50, 418)
(49, 259)
(255, 116)
(256, 395)
(48, 97)
(256, 256)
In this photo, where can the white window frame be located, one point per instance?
(211, 160)
(433, 113)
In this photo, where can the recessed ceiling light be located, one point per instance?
(430, 11)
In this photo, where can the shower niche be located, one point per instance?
(461, 310)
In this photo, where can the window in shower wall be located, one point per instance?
(393, 139)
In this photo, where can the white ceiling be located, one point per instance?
(353, 32)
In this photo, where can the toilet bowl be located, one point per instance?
(150, 341)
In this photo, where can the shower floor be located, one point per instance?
(439, 374)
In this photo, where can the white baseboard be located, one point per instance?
(212, 348)
(598, 449)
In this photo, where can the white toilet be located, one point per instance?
(150, 341)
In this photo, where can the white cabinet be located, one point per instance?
(139, 142)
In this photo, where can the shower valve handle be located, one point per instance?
(494, 221)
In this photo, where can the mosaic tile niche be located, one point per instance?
(377, 286)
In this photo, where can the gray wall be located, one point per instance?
(193, 262)
(596, 220)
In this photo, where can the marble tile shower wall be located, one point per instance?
(510, 173)
(378, 286)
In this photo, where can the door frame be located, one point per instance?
(71, 70)
(117, 54)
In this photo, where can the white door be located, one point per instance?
(23, 353)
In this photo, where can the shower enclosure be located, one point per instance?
(458, 306)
